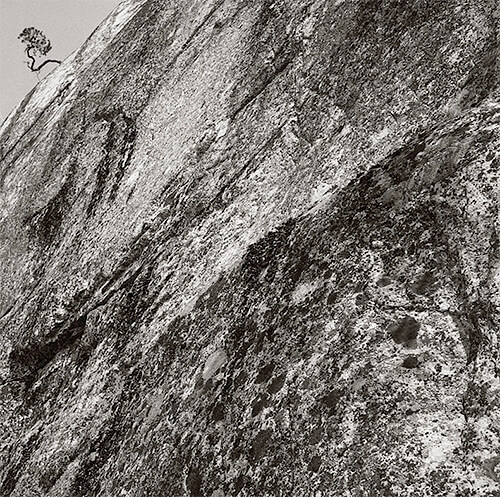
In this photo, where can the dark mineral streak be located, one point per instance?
(252, 248)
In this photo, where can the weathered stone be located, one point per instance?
(213, 363)
(225, 225)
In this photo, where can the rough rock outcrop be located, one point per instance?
(251, 248)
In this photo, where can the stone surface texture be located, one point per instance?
(252, 248)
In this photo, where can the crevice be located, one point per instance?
(196, 31)
(47, 221)
(127, 282)
(7, 311)
(118, 150)
(249, 99)
(26, 361)
(15, 467)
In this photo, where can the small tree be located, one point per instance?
(37, 45)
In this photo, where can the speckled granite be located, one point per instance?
(251, 248)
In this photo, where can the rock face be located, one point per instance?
(252, 248)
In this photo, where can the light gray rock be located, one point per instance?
(308, 190)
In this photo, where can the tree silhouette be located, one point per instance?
(37, 45)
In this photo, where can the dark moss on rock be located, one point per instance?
(265, 373)
(411, 362)
(218, 412)
(404, 331)
(276, 384)
(316, 435)
(194, 482)
(261, 443)
(314, 464)
(331, 400)
(424, 284)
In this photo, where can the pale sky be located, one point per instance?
(66, 23)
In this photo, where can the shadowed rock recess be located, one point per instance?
(251, 248)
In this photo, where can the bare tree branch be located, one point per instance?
(33, 61)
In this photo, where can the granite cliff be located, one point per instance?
(252, 248)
